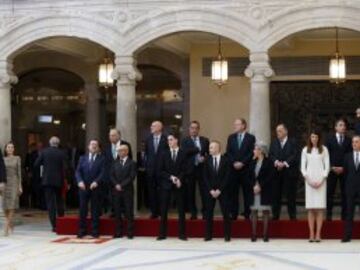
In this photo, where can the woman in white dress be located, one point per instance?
(315, 167)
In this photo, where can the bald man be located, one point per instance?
(155, 145)
(110, 156)
(123, 173)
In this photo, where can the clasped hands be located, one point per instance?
(238, 165)
(82, 186)
(279, 165)
(176, 181)
(215, 193)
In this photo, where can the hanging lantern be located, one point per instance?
(219, 68)
(105, 70)
(337, 67)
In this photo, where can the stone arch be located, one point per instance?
(284, 25)
(181, 20)
(28, 31)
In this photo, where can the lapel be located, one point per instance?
(353, 161)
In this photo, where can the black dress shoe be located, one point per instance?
(253, 239)
(346, 240)
(160, 238)
(95, 235)
(153, 216)
(130, 236)
(117, 235)
(317, 241)
(81, 235)
(311, 241)
(193, 217)
(266, 239)
(227, 239)
(206, 239)
(183, 238)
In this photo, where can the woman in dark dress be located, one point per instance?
(261, 173)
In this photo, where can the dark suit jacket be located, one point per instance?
(88, 174)
(2, 169)
(337, 152)
(191, 150)
(54, 165)
(352, 182)
(110, 159)
(264, 178)
(217, 180)
(152, 157)
(168, 167)
(123, 174)
(245, 153)
(288, 153)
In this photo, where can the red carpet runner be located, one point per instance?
(195, 228)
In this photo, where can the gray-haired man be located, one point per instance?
(53, 162)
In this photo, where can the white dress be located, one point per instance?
(315, 167)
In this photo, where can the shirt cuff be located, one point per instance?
(286, 164)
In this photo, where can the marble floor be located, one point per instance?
(32, 247)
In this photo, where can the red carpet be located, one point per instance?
(195, 228)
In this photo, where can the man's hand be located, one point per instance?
(218, 192)
(81, 185)
(257, 189)
(93, 185)
(20, 190)
(201, 159)
(338, 170)
(213, 193)
(178, 183)
(238, 165)
(118, 187)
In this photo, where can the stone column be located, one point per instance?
(126, 74)
(6, 79)
(92, 111)
(259, 71)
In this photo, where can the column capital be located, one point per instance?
(125, 70)
(259, 68)
(7, 77)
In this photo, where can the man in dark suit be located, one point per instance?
(239, 150)
(155, 146)
(172, 173)
(90, 176)
(111, 155)
(123, 173)
(284, 155)
(197, 148)
(52, 164)
(357, 122)
(352, 185)
(338, 145)
(37, 196)
(216, 178)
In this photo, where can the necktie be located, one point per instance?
(197, 144)
(113, 148)
(92, 158)
(121, 162)
(239, 139)
(357, 160)
(215, 164)
(156, 143)
(173, 155)
(341, 139)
